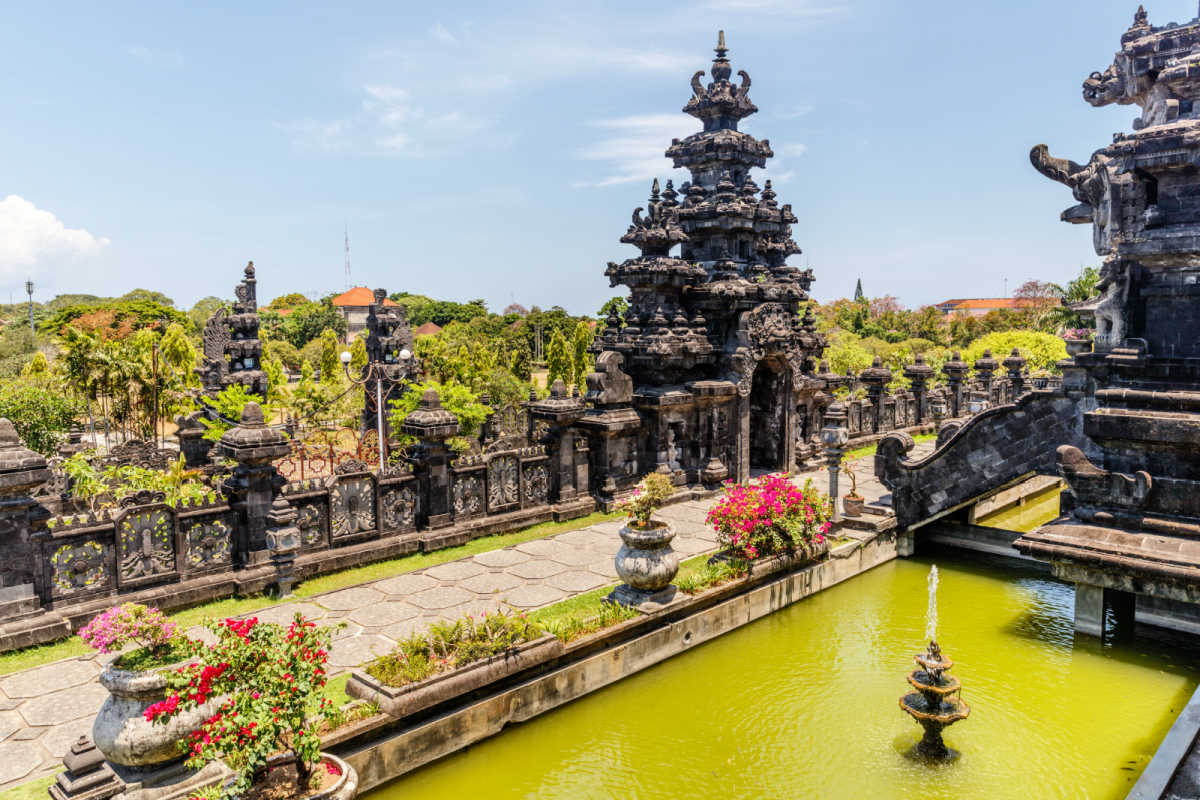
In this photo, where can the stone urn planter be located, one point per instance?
(124, 736)
(646, 563)
(1078, 346)
(853, 505)
(345, 787)
(400, 701)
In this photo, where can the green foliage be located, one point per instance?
(445, 646)
(331, 364)
(179, 355)
(104, 488)
(420, 309)
(558, 359)
(618, 305)
(116, 319)
(522, 361)
(306, 322)
(228, 403)
(580, 363)
(709, 574)
(205, 307)
(649, 496)
(38, 366)
(358, 356)
(456, 398)
(282, 351)
(276, 381)
(1043, 350)
(39, 409)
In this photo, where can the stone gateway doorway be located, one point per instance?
(768, 416)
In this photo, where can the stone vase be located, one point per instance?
(1078, 346)
(646, 564)
(853, 506)
(124, 736)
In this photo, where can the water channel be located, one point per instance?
(804, 704)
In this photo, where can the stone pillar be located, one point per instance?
(251, 488)
(1015, 364)
(918, 374)
(432, 425)
(21, 470)
(834, 436)
(955, 371)
(283, 542)
(1089, 609)
(192, 444)
(985, 367)
(876, 378)
(560, 411)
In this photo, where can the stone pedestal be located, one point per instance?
(432, 425)
(1015, 364)
(560, 411)
(251, 489)
(876, 378)
(956, 371)
(918, 374)
(21, 470)
(985, 368)
(283, 543)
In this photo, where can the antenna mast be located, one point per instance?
(347, 234)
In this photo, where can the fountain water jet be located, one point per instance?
(935, 704)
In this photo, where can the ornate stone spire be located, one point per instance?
(721, 104)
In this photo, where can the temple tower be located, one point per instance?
(721, 356)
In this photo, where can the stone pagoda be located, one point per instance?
(232, 349)
(720, 357)
(1131, 534)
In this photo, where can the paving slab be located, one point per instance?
(50, 678)
(358, 649)
(491, 582)
(501, 558)
(455, 571)
(381, 614)
(532, 595)
(18, 759)
(82, 702)
(441, 597)
(348, 599)
(535, 570)
(577, 581)
(404, 585)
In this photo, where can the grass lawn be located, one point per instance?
(39, 655)
(869, 450)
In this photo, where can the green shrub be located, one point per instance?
(41, 410)
(1043, 350)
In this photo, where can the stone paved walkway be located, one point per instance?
(44, 709)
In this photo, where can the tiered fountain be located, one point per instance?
(935, 703)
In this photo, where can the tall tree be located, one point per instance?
(858, 292)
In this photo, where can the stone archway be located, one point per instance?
(769, 396)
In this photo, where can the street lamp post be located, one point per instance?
(375, 370)
(29, 291)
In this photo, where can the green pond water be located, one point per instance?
(804, 704)
(1037, 510)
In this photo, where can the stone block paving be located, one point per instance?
(43, 710)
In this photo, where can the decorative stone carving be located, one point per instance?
(209, 542)
(352, 506)
(79, 566)
(145, 544)
(399, 506)
(311, 520)
(468, 495)
(504, 482)
(537, 484)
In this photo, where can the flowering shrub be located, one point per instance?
(769, 515)
(1078, 334)
(654, 490)
(130, 623)
(447, 645)
(274, 678)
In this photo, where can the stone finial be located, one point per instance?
(559, 388)
(252, 440)
(430, 421)
(21, 469)
(249, 271)
(252, 415)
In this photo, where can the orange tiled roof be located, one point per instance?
(358, 296)
(427, 329)
(988, 302)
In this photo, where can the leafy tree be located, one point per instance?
(618, 305)
(276, 381)
(228, 404)
(39, 409)
(330, 358)
(283, 351)
(146, 294)
(291, 300)
(515, 308)
(522, 361)
(358, 356)
(580, 342)
(1039, 300)
(117, 319)
(38, 366)
(309, 320)
(558, 358)
(1043, 350)
(205, 307)
(459, 400)
(179, 354)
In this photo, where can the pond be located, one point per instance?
(804, 703)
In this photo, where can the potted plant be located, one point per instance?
(1078, 340)
(852, 501)
(265, 729)
(770, 516)
(449, 659)
(135, 680)
(646, 562)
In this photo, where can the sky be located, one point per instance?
(497, 150)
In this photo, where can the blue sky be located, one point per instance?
(496, 151)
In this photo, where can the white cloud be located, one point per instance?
(634, 149)
(442, 34)
(30, 236)
(793, 111)
(797, 149)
